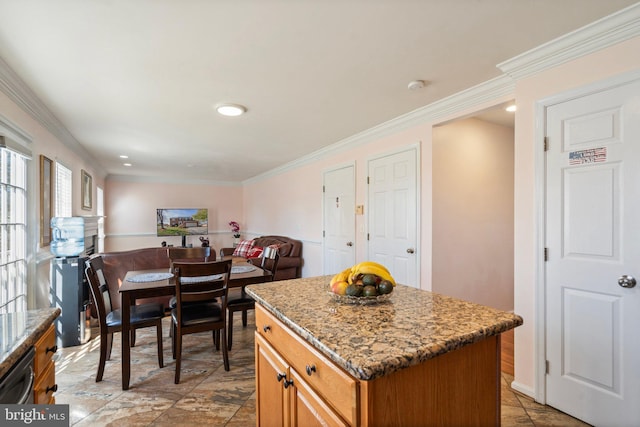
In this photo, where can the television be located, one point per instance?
(182, 222)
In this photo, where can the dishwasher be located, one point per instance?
(16, 386)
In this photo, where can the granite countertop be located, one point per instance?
(370, 341)
(20, 331)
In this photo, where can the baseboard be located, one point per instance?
(527, 391)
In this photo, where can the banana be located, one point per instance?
(357, 267)
(369, 267)
(341, 277)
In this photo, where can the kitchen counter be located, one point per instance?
(371, 341)
(20, 331)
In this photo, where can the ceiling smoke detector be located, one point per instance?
(416, 84)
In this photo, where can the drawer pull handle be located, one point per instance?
(266, 328)
(287, 383)
(53, 389)
(281, 376)
(51, 349)
(310, 369)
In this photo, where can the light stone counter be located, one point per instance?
(20, 331)
(370, 341)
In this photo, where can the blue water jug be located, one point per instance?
(68, 236)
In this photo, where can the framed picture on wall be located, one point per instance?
(46, 205)
(87, 191)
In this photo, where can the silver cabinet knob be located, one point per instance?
(410, 251)
(627, 281)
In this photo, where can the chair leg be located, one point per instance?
(159, 338)
(229, 330)
(173, 340)
(109, 341)
(216, 339)
(178, 350)
(244, 318)
(103, 357)
(225, 352)
(133, 338)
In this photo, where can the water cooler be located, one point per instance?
(69, 286)
(70, 292)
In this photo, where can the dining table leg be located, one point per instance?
(125, 307)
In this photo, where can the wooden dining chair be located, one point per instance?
(244, 302)
(226, 252)
(195, 254)
(110, 320)
(197, 285)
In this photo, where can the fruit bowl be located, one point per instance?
(347, 299)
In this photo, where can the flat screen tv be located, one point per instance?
(182, 222)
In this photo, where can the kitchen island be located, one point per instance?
(418, 358)
(19, 332)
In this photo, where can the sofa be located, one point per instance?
(290, 250)
(117, 264)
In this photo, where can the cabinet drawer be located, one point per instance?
(45, 348)
(45, 385)
(338, 388)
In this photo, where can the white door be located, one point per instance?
(339, 219)
(593, 239)
(393, 214)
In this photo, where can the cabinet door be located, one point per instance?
(307, 408)
(272, 407)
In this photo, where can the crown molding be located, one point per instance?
(477, 96)
(603, 33)
(18, 91)
(16, 132)
(170, 180)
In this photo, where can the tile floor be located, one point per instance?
(207, 394)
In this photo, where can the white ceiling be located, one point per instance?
(141, 77)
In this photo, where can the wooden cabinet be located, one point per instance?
(44, 368)
(298, 386)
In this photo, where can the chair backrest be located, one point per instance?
(195, 254)
(226, 252)
(201, 281)
(94, 270)
(270, 259)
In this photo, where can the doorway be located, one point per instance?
(473, 215)
(473, 166)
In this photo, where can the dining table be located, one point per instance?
(139, 284)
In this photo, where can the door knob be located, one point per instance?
(410, 251)
(627, 281)
(349, 243)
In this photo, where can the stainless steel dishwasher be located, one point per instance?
(16, 386)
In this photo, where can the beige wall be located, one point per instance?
(473, 212)
(45, 143)
(131, 212)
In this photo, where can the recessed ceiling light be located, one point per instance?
(126, 164)
(231, 109)
(511, 108)
(124, 156)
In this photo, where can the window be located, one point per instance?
(13, 231)
(63, 186)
